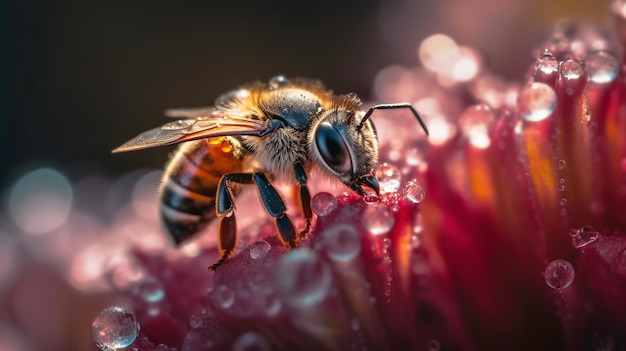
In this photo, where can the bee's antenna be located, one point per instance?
(393, 106)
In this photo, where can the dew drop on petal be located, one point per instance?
(323, 203)
(259, 249)
(389, 178)
(584, 236)
(536, 102)
(162, 347)
(196, 320)
(151, 290)
(414, 191)
(434, 345)
(559, 274)
(602, 67)
(562, 164)
(377, 219)
(571, 70)
(223, 296)
(251, 341)
(547, 64)
(114, 328)
(40, 201)
(342, 242)
(302, 279)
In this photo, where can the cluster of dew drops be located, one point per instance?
(116, 327)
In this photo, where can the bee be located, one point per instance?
(259, 133)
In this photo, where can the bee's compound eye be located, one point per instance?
(332, 148)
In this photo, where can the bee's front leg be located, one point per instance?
(276, 208)
(304, 197)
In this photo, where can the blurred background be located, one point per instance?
(82, 77)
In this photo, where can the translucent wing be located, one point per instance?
(208, 124)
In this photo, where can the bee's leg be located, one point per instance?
(224, 208)
(276, 208)
(304, 197)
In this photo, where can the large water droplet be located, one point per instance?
(389, 178)
(536, 102)
(251, 341)
(559, 274)
(259, 249)
(583, 236)
(323, 203)
(301, 278)
(474, 123)
(342, 242)
(377, 219)
(196, 320)
(151, 290)
(414, 191)
(223, 296)
(547, 64)
(114, 328)
(602, 67)
(571, 70)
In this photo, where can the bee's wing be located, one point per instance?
(212, 124)
(190, 112)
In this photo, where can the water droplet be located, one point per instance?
(414, 191)
(571, 70)
(323, 203)
(251, 341)
(547, 64)
(177, 125)
(196, 320)
(40, 201)
(162, 347)
(151, 290)
(563, 202)
(223, 296)
(583, 236)
(114, 328)
(342, 242)
(536, 102)
(389, 178)
(559, 274)
(603, 342)
(562, 164)
(434, 345)
(474, 124)
(302, 279)
(377, 219)
(259, 249)
(602, 67)
(414, 157)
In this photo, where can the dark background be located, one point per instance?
(81, 77)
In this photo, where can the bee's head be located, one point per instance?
(345, 149)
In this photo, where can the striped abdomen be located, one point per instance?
(190, 183)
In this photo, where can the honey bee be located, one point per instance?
(256, 134)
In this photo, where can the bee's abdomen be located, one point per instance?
(190, 184)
